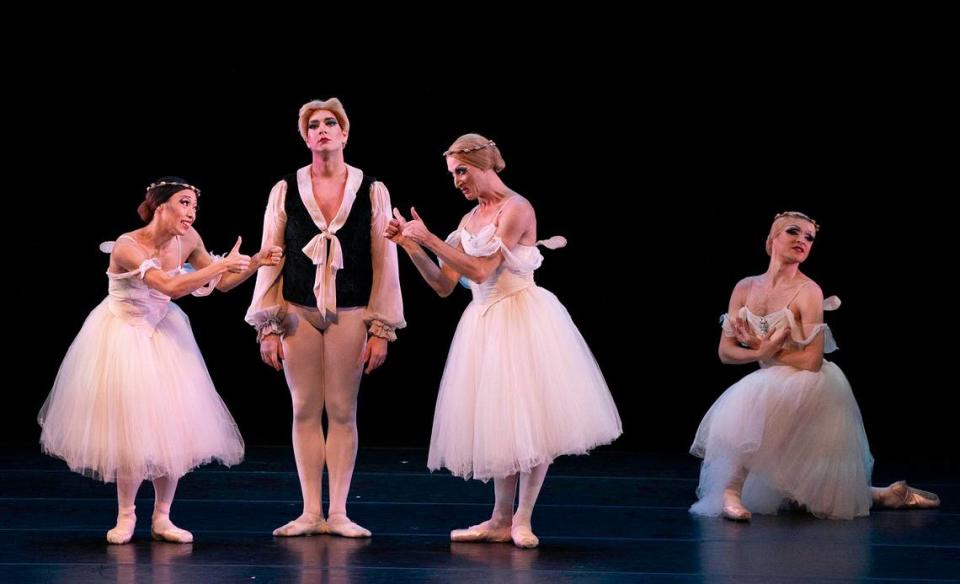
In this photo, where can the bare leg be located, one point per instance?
(343, 349)
(497, 528)
(161, 527)
(522, 529)
(303, 368)
(126, 510)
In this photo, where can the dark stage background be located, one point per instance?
(663, 172)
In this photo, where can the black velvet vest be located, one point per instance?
(356, 278)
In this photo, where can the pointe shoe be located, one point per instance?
(165, 530)
(733, 508)
(338, 524)
(301, 526)
(907, 496)
(123, 532)
(523, 537)
(483, 532)
(736, 513)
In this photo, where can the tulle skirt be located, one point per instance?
(799, 435)
(520, 388)
(130, 403)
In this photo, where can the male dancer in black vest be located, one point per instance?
(328, 309)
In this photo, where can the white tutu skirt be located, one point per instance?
(800, 436)
(130, 403)
(520, 388)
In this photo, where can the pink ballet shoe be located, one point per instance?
(733, 508)
(909, 497)
(523, 537)
(340, 524)
(162, 529)
(736, 513)
(123, 532)
(302, 526)
(485, 532)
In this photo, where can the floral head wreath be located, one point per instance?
(489, 144)
(164, 183)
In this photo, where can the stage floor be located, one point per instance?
(608, 517)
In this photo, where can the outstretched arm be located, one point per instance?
(131, 257)
(443, 279)
(269, 255)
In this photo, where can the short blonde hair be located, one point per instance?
(331, 105)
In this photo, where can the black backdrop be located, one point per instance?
(663, 172)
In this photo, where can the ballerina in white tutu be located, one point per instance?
(520, 386)
(791, 432)
(133, 400)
